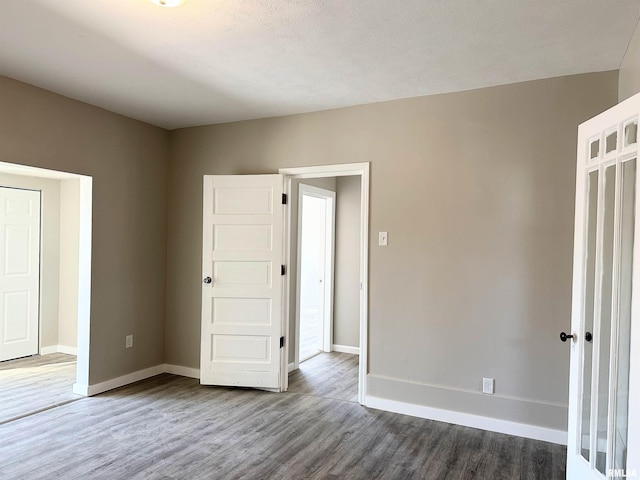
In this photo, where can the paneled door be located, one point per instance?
(242, 287)
(19, 272)
(604, 392)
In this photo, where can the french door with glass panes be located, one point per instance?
(604, 393)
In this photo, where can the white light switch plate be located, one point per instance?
(383, 238)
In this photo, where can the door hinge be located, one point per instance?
(284, 198)
(283, 270)
(281, 342)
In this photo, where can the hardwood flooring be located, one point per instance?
(331, 375)
(34, 383)
(171, 427)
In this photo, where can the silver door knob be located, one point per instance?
(207, 280)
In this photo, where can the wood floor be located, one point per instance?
(170, 427)
(31, 384)
(330, 375)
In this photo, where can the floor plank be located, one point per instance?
(331, 375)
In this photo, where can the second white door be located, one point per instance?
(19, 272)
(316, 224)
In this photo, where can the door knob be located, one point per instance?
(588, 336)
(564, 336)
(207, 280)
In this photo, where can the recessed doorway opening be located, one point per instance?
(336, 280)
(62, 296)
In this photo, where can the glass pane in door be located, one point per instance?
(631, 133)
(590, 282)
(606, 304)
(627, 226)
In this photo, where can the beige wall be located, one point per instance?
(629, 81)
(476, 190)
(50, 250)
(128, 162)
(346, 307)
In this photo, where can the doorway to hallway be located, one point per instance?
(325, 343)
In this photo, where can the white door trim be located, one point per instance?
(327, 329)
(341, 170)
(84, 284)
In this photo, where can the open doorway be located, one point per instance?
(336, 366)
(60, 354)
(241, 279)
(316, 240)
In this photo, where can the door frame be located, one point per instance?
(338, 170)
(327, 320)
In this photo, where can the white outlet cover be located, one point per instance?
(128, 341)
(487, 386)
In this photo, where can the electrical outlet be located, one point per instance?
(383, 238)
(487, 386)
(128, 341)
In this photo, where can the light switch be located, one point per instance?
(383, 238)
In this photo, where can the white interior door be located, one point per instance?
(19, 272)
(316, 241)
(242, 291)
(604, 393)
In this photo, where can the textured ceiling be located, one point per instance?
(212, 61)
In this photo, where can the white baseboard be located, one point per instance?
(49, 350)
(182, 371)
(120, 381)
(469, 420)
(58, 349)
(345, 349)
(291, 367)
(89, 390)
(68, 350)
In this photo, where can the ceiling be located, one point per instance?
(214, 61)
